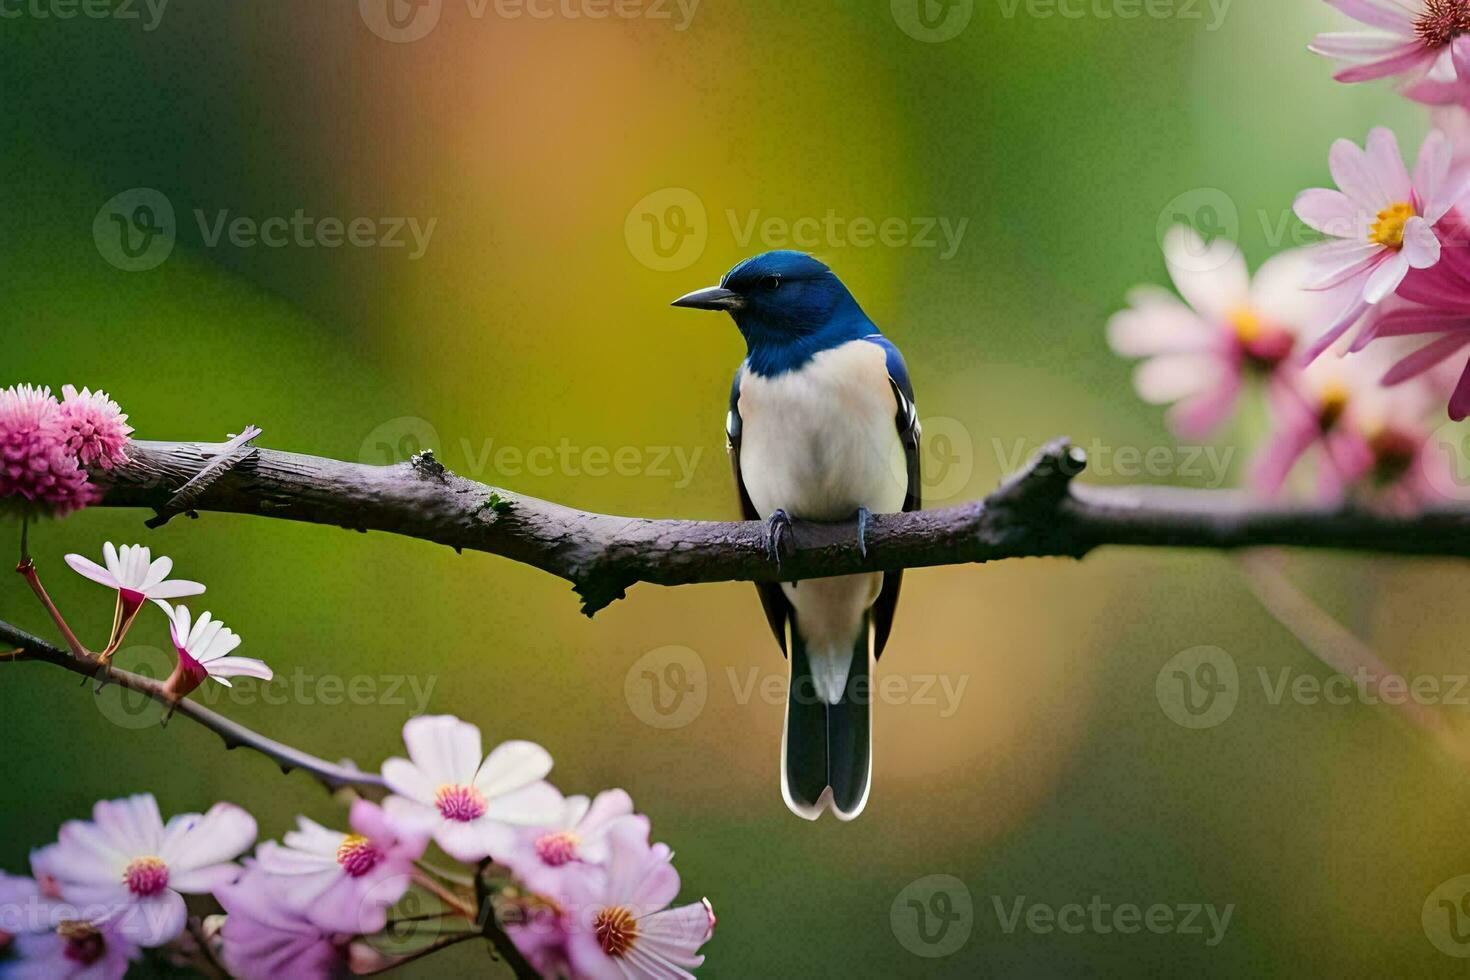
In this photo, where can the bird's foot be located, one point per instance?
(862, 522)
(778, 534)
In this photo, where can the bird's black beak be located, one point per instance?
(713, 298)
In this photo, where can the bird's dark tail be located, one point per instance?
(826, 751)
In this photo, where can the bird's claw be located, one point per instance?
(862, 522)
(778, 531)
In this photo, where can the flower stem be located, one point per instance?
(446, 874)
(27, 568)
(434, 947)
(444, 895)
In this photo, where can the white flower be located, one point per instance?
(130, 570)
(203, 649)
(472, 805)
(126, 861)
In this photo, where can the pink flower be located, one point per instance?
(47, 938)
(1433, 304)
(1368, 440)
(1198, 355)
(138, 578)
(578, 837)
(1421, 41)
(264, 940)
(343, 882)
(93, 427)
(35, 466)
(203, 650)
(472, 807)
(1385, 222)
(128, 862)
(618, 923)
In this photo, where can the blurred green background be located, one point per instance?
(543, 148)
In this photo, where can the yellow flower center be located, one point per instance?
(1247, 324)
(1334, 403)
(1388, 230)
(616, 930)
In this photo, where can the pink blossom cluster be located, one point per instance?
(1359, 344)
(47, 447)
(575, 883)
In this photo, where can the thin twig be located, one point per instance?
(442, 942)
(329, 774)
(1333, 643)
(27, 569)
(490, 927)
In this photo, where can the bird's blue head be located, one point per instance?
(788, 306)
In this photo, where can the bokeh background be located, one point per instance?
(547, 150)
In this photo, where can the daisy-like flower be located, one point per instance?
(1432, 315)
(47, 938)
(1229, 328)
(93, 427)
(203, 648)
(472, 804)
(1385, 222)
(128, 863)
(262, 939)
(343, 882)
(138, 577)
(1421, 42)
(619, 924)
(1366, 439)
(36, 470)
(578, 837)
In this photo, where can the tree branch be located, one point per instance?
(329, 774)
(1037, 512)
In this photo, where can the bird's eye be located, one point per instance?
(771, 283)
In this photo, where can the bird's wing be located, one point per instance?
(907, 421)
(773, 600)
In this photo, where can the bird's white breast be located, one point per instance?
(821, 441)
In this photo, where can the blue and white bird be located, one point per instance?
(822, 427)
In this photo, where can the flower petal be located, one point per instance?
(1331, 212)
(1395, 18)
(1386, 278)
(1212, 278)
(218, 836)
(87, 568)
(510, 766)
(444, 748)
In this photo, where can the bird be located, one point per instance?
(822, 426)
